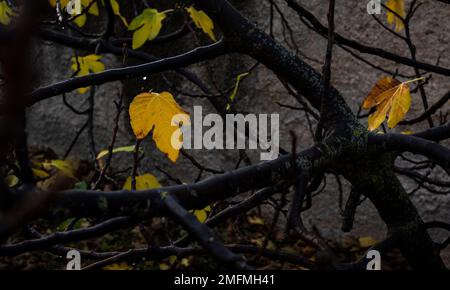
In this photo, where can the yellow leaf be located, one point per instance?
(93, 9)
(168, 265)
(146, 181)
(141, 36)
(116, 8)
(63, 3)
(103, 153)
(377, 93)
(11, 180)
(163, 266)
(147, 26)
(401, 103)
(255, 220)
(118, 266)
(80, 20)
(378, 117)
(40, 173)
(366, 242)
(388, 95)
(153, 111)
(185, 262)
(398, 6)
(84, 65)
(202, 21)
(202, 214)
(236, 88)
(5, 13)
(172, 259)
(63, 166)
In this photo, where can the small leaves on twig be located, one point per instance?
(202, 21)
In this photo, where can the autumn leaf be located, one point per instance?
(11, 180)
(118, 266)
(185, 262)
(81, 19)
(255, 220)
(5, 13)
(376, 96)
(146, 181)
(62, 2)
(202, 214)
(39, 173)
(153, 111)
(93, 7)
(366, 242)
(83, 65)
(116, 8)
(390, 97)
(164, 266)
(146, 26)
(398, 6)
(62, 165)
(202, 21)
(260, 242)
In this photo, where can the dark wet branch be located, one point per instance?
(413, 144)
(170, 63)
(203, 234)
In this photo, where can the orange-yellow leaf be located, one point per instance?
(388, 96)
(401, 102)
(118, 266)
(153, 111)
(366, 242)
(378, 117)
(398, 6)
(376, 95)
